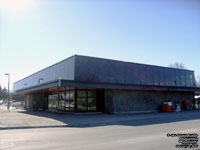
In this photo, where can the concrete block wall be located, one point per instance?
(141, 101)
(109, 101)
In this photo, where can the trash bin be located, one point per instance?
(167, 107)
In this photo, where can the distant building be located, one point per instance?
(81, 83)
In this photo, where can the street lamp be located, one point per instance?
(39, 80)
(8, 106)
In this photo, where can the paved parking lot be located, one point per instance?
(24, 119)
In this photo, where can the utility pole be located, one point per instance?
(8, 106)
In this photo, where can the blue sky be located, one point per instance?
(37, 33)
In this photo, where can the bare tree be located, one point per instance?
(3, 93)
(178, 65)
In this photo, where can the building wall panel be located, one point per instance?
(92, 69)
(138, 101)
(63, 70)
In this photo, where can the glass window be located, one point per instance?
(67, 104)
(61, 100)
(91, 104)
(53, 101)
(62, 103)
(86, 100)
(71, 104)
(71, 95)
(91, 93)
(82, 101)
(82, 104)
(71, 100)
(62, 95)
(50, 101)
(81, 93)
(65, 100)
(67, 95)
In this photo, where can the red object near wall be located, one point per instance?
(166, 108)
(187, 103)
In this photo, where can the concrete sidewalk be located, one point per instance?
(24, 119)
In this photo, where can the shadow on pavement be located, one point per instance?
(95, 120)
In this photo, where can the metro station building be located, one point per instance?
(82, 83)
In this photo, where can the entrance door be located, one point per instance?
(100, 100)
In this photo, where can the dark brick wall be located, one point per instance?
(109, 102)
(135, 101)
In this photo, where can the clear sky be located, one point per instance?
(37, 33)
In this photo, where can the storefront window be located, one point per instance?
(91, 93)
(82, 103)
(91, 104)
(71, 100)
(65, 100)
(81, 93)
(86, 100)
(52, 102)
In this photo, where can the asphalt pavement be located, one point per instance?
(21, 130)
